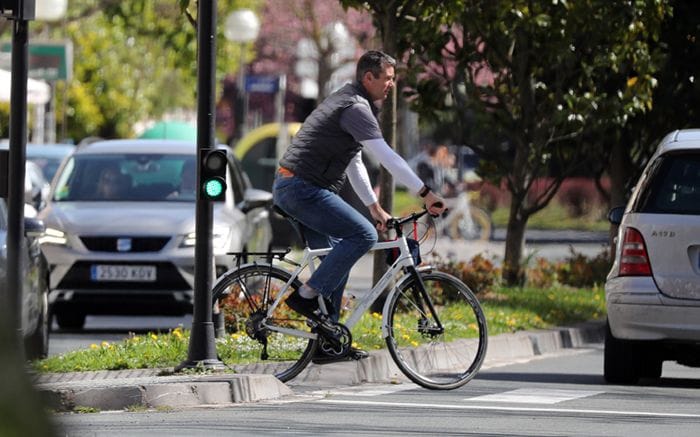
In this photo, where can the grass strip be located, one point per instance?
(507, 310)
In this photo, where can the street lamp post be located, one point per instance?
(50, 11)
(242, 26)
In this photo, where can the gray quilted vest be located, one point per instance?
(321, 150)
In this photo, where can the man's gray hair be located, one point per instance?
(374, 61)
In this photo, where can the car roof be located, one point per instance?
(173, 147)
(58, 149)
(685, 139)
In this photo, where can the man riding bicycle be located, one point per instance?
(313, 169)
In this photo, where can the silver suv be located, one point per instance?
(120, 228)
(653, 289)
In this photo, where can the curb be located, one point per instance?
(503, 348)
(118, 390)
(162, 391)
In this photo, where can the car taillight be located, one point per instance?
(634, 260)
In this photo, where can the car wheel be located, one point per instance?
(651, 364)
(70, 320)
(37, 344)
(620, 360)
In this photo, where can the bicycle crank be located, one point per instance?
(334, 339)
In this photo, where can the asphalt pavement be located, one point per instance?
(154, 388)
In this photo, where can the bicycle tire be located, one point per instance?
(479, 227)
(436, 360)
(238, 295)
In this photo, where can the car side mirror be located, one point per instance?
(615, 215)
(254, 198)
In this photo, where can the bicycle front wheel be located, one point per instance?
(441, 349)
(244, 296)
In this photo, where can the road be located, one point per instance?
(562, 395)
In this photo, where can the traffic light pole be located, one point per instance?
(22, 12)
(202, 347)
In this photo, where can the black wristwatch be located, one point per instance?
(424, 191)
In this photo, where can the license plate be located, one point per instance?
(125, 273)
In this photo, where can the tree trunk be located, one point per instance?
(619, 172)
(513, 273)
(386, 181)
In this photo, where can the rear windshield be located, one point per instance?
(673, 186)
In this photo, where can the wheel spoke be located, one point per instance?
(244, 298)
(437, 358)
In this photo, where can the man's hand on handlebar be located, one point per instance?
(379, 215)
(435, 204)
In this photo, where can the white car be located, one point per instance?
(120, 228)
(653, 289)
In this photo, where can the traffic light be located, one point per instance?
(213, 174)
(18, 9)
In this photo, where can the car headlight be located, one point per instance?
(53, 236)
(219, 238)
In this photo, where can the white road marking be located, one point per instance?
(535, 396)
(517, 409)
(367, 391)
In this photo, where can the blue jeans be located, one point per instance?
(328, 221)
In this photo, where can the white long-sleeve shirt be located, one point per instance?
(387, 157)
(360, 122)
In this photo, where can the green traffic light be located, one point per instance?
(213, 188)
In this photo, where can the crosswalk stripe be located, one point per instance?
(535, 396)
(367, 391)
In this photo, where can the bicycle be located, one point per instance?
(465, 221)
(432, 323)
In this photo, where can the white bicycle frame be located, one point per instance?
(310, 256)
(458, 207)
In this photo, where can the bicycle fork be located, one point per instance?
(422, 299)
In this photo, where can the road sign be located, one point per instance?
(261, 84)
(48, 61)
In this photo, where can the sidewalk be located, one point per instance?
(160, 388)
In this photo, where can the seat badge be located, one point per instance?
(124, 244)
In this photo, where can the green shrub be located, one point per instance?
(579, 270)
(543, 274)
(479, 273)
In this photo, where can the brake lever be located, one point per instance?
(438, 205)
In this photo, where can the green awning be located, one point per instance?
(171, 130)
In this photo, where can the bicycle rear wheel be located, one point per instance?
(244, 296)
(440, 353)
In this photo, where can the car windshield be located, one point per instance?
(127, 177)
(673, 186)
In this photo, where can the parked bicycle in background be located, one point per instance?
(448, 170)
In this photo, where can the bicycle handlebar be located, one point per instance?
(395, 223)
